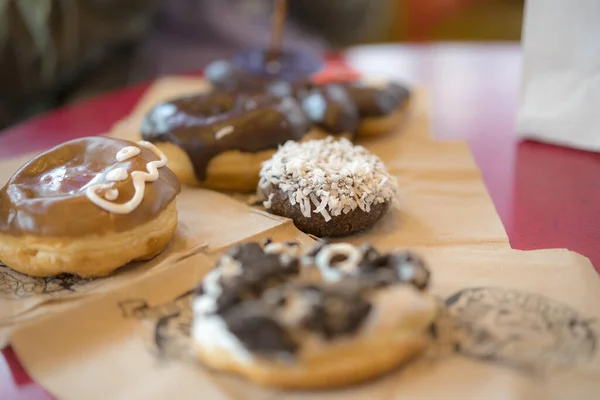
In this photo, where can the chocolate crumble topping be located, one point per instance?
(259, 333)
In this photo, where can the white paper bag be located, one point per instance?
(560, 101)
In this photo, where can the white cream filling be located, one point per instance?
(211, 333)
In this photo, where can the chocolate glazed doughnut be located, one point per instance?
(381, 107)
(328, 106)
(254, 69)
(218, 140)
(88, 207)
(348, 108)
(352, 108)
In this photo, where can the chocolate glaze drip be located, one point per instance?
(248, 123)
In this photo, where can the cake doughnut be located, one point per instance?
(381, 106)
(280, 331)
(88, 207)
(218, 140)
(327, 187)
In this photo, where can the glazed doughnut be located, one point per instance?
(353, 108)
(327, 106)
(253, 316)
(327, 187)
(252, 70)
(357, 108)
(381, 106)
(218, 140)
(88, 207)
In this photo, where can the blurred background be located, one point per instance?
(55, 52)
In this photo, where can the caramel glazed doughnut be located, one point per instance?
(327, 187)
(88, 207)
(258, 315)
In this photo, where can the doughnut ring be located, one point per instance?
(261, 322)
(327, 187)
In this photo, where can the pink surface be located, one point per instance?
(546, 196)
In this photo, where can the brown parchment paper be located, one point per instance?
(515, 325)
(443, 197)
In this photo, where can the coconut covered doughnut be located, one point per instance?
(327, 187)
(255, 316)
(88, 207)
(219, 139)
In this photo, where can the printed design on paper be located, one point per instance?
(17, 286)
(171, 323)
(517, 329)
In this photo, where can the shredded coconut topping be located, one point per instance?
(328, 177)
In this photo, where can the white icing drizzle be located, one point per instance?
(328, 177)
(127, 152)
(334, 272)
(111, 194)
(224, 131)
(139, 179)
(117, 175)
(294, 250)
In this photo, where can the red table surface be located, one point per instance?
(547, 196)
